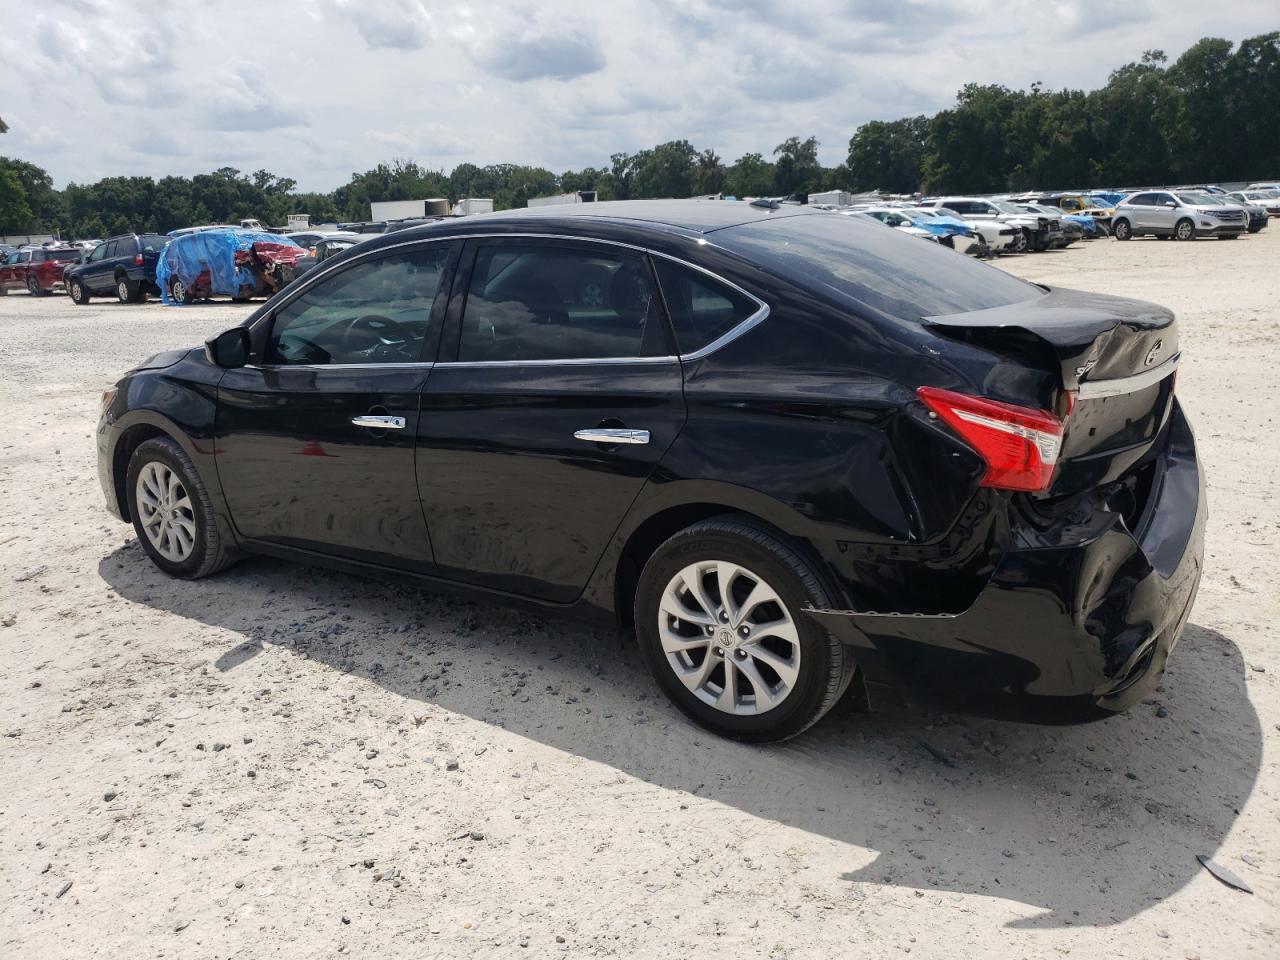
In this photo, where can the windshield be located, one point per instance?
(881, 269)
(1198, 199)
(1006, 207)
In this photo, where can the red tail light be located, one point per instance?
(1020, 445)
(137, 260)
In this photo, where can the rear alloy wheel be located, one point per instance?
(718, 617)
(1121, 230)
(179, 292)
(1020, 242)
(123, 293)
(79, 294)
(172, 512)
(33, 287)
(1185, 230)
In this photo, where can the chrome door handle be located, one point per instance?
(378, 423)
(612, 435)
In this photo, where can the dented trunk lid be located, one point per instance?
(1118, 355)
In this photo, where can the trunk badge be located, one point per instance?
(1154, 353)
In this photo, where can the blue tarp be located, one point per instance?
(189, 255)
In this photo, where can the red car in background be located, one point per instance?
(36, 270)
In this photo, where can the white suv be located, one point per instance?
(1181, 214)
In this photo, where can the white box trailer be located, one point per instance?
(397, 209)
(470, 205)
(836, 198)
(580, 196)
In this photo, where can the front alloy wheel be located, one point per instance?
(1185, 230)
(729, 637)
(123, 293)
(78, 294)
(165, 511)
(172, 512)
(1121, 230)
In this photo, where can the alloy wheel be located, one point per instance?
(122, 290)
(1184, 230)
(33, 287)
(166, 511)
(729, 637)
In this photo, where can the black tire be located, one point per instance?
(179, 292)
(124, 290)
(34, 288)
(826, 667)
(78, 293)
(241, 299)
(209, 552)
(1121, 230)
(1184, 229)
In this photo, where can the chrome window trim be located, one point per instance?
(745, 325)
(1100, 389)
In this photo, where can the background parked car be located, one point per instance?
(1001, 237)
(1268, 200)
(124, 266)
(234, 263)
(1184, 216)
(327, 245)
(36, 270)
(1041, 233)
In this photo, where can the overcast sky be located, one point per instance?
(315, 89)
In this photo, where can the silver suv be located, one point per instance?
(1182, 214)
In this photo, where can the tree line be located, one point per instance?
(1210, 115)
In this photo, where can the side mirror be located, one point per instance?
(1170, 203)
(228, 349)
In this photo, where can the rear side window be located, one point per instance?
(702, 309)
(65, 256)
(886, 270)
(551, 302)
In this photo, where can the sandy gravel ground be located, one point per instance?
(285, 762)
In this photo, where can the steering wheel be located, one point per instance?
(388, 337)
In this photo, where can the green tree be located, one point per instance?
(708, 173)
(797, 170)
(16, 215)
(666, 170)
(750, 176)
(888, 155)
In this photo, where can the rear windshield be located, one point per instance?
(887, 270)
(153, 242)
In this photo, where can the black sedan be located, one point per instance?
(800, 454)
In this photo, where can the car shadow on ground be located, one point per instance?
(1090, 824)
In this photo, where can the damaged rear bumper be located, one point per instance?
(1076, 623)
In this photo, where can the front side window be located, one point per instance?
(98, 253)
(702, 309)
(375, 311)
(552, 302)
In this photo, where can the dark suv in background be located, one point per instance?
(124, 266)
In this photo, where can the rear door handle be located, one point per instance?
(378, 423)
(612, 435)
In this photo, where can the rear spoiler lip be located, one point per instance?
(1074, 325)
(1100, 389)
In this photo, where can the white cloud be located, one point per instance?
(386, 24)
(320, 88)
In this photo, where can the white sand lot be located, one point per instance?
(258, 764)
